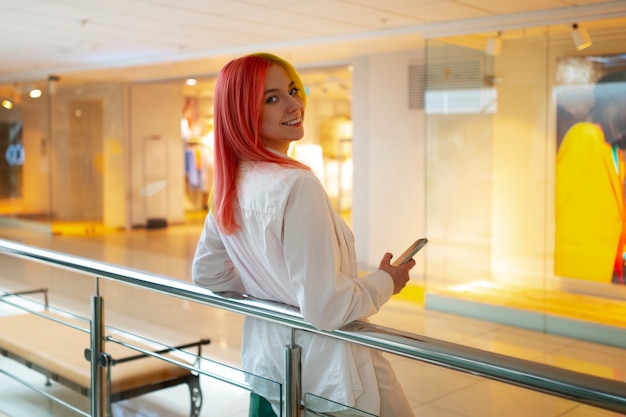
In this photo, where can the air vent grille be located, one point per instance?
(416, 86)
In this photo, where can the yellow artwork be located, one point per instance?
(589, 205)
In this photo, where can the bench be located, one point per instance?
(54, 345)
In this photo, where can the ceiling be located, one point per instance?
(142, 38)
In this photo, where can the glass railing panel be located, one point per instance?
(222, 385)
(170, 320)
(438, 391)
(318, 406)
(37, 399)
(219, 398)
(161, 321)
(24, 390)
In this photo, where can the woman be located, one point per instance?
(272, 233)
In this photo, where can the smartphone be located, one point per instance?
(411, 251)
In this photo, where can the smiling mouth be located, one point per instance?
(293, 122)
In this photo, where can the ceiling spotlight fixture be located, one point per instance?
(7, 104)
(494, 45)
(35, 93)
(581, 37)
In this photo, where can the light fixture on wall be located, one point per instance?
(7, 104)
(494, 45)
(581, 37)
(53, 80)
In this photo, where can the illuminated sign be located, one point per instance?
(15, 155)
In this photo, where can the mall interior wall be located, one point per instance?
(37, 147)
(156, 153)
(520, 163)
(388, 146)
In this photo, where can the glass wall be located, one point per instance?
(86, 156)
(24, 151)
(87, 126)
(527, 227)
(63, 145)
(326, 146)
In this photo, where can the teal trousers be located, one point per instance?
(260, 407)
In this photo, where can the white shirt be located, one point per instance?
(293, 248)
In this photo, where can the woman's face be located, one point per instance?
(282, 115)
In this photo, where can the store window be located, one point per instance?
(326, 146)
(12, 158)
(24, 152)
(197, 135)
(510, 238)
(589, 182)
(327, 143)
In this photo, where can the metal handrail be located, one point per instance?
(588, 389)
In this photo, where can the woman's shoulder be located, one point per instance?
(270, 177)
(275, 171)
(267, 188)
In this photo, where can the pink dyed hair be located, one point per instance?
(238, 104)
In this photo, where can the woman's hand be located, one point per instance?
(399, 274)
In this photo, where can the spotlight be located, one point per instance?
(7, 104)
(494, 45)
(581, 37)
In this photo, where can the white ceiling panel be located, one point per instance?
(271, 4)
(444, 11)
(389, 4)
(221, 7)
(19, 4)
(111, 6)
(42, 37)
(293, 21)
(363, 17)
(62, 11)
(30, 21)
(326, 8)
(383, 20)
(505, 7)
(252, 28)
(173, 15)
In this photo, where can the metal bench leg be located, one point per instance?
(195, 393)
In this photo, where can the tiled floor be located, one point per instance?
(433, 391)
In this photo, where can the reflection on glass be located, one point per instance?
(318, 406)
(589, 191)
(11, 160)
(503, 203)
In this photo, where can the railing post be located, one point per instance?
(97, 375)
(293, 377)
